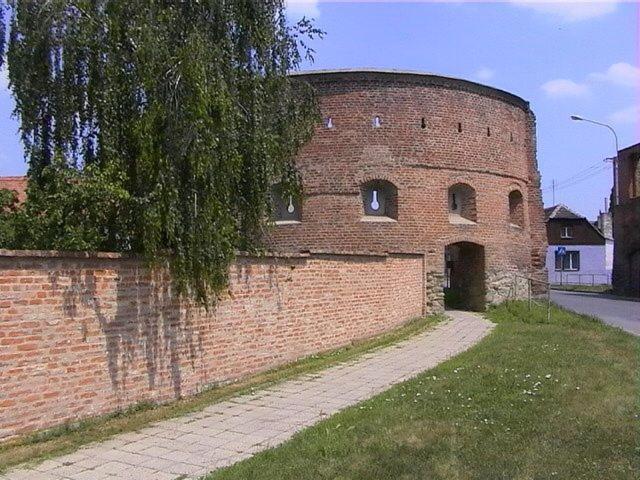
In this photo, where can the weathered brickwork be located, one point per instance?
(626, 224)
(435, 132)
(86, 336)
(16, 184)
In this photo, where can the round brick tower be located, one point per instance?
(413, 162)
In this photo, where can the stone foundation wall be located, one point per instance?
(507, 285)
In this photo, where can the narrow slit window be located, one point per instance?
(328, 122)
(423, 123)
(377, 122)
(488, 132)
(459, 127)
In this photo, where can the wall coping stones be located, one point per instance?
(415, 77)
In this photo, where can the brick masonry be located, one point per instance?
(84, 335)
(16, 184)
(472, 134)
(87, 335)
(626, 224)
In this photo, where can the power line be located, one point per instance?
(579, 176)
(576, 180)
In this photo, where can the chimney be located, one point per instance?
(605, 225)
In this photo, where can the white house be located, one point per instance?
(579, 252)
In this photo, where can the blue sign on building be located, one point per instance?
(561, 251)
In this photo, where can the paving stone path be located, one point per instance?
(227, 432)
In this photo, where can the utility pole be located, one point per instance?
(616, 192)
(553, 189)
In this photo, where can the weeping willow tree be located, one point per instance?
(156, 126)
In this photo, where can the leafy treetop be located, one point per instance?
(156, 126)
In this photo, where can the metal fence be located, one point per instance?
(565, 278)
(526, 287)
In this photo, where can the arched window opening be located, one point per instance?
(423, 123)
(328, 122)
(516, 208)
(377, 123)
(380, 199)
(287, 207)
(462, 204)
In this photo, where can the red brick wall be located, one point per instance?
(86, 336)
(17, 184)
(629, 173)
(626, 224)
(422, 163)
(626, 248)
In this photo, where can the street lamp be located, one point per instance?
(578, 118)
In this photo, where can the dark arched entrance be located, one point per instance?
(465, 280)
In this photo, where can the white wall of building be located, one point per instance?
(596, 262)
(609, 255)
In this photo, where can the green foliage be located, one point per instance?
(157, 127)
(76, 210)
(8, 208)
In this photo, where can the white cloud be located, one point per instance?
(485, 74)
(300, 8)
(571, 10)
(626, 115)
(563, 87)
(620, 74)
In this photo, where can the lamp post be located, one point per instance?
(578, 118)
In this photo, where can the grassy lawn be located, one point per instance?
(583, 288)
(68, 438)
(534, 400)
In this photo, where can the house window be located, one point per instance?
(462, 203)
(516, 208)
(380, 199)
(566, 232)
(287, 207)
(569, 261)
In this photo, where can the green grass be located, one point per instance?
(534, 400)
(67, 438)
(583, 288)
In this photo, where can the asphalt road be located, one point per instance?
(612, 310)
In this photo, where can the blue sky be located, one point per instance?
(562, 57)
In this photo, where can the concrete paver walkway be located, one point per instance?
(227, 432)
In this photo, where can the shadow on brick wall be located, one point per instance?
(148, 330)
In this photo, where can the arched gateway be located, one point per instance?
(465, 276)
